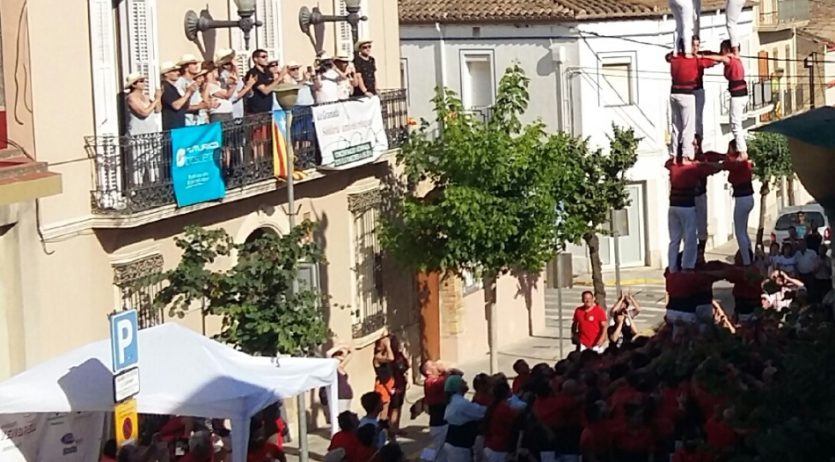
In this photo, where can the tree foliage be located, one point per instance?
(253, 298)
(771, 156)
(497, 188)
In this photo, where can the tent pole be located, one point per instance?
(303, 450)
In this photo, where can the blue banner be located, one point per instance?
(195, 168)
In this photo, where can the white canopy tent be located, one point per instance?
(181, 373)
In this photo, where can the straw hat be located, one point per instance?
(360, 44)
(292, 64)
(223, 56)
(342, 58)
(167, 67)
(131, 79)
(188, 58)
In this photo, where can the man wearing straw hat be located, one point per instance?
(231, 81)
(189, 73)
(175, 103)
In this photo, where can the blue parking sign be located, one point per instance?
(124, 336)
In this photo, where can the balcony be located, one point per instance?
(761, 99)
(778, 15)
(133, 173)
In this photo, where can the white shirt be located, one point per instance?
(807, 261)
(305, 97)
(237, 100)
(192, 118)
(329, 89)
(225, 105)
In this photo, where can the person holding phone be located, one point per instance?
(621, 329)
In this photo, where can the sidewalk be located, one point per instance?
(533, 349)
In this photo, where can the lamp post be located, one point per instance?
(195, 23)
(287, 95)
(314, 17)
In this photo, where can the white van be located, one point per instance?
(815, 216)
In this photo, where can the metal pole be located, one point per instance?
(301, 405)
(616, 237)
(812, 59)
(559, 319)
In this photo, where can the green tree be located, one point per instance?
(496, 186)
(601, 187)
(772, 162)
(253, 298)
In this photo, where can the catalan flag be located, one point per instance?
(280, 151)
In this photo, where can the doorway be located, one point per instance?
(632, 245)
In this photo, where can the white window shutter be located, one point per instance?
(268, 36)
(106, 91)
(364, 30)
(103, 57)
(344, 40)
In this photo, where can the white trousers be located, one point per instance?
(684, 124)
(684, 14)
(737, 115)
(701, 216)
(733, 10)
(700, 109)
(742, 209)
(494, 456)
(437, 437)
(547, 456)
(697, 16)
(344, 405)
(682, 225)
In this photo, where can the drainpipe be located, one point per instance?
(570, 72)
(442, 53)
(558, 56)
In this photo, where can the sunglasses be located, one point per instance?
(261, 56)
(365, 47)
(294, 68)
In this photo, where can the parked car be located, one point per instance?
(815, 216)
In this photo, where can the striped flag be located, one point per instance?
(280, 151)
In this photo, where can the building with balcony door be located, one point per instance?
(816, 46)
(69, 260)
(591, 64)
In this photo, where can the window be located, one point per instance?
(139, 44)
(368, 312)
(477, 83)
(266, 37)
(617, 82)
(138, 287)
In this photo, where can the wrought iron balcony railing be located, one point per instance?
(760, 96)
(133, 173)
(782, 14)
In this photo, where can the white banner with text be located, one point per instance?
(350, 133)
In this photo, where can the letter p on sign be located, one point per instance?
(124, 327)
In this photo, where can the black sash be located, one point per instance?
(462, 436)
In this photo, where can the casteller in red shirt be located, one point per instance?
(591, 324)
(346, 440)
(682, 455)
(191, 458)
(684, 72)
(520, 381)
(597, 437)
(719, 435)
(433, 390)
(500, 429)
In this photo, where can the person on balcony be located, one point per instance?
(175, 103)
(143, 111)
(223, 111)
(348, 77)
(189, 73)
(738, 88)
(142, 119)
(266, 82)
(328, 81)
(229, 80)
(366, 68)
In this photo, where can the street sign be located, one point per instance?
(618, 224)
(124, 347)
(125, 385)
(126, 420)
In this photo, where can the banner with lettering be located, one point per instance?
(52, 437)
(350, 133)
(280, 151)
(196, 164)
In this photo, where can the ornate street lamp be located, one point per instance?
(204, 22)
(314, 17)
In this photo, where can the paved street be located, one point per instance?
(647, 284)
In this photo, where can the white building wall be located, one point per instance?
(585, 47)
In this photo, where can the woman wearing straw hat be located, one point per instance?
(142, 120)
(231, 81)
(142, 110)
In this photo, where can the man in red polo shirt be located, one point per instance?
(589, 324)
(435, 399)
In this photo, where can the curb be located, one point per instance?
(623, 282)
